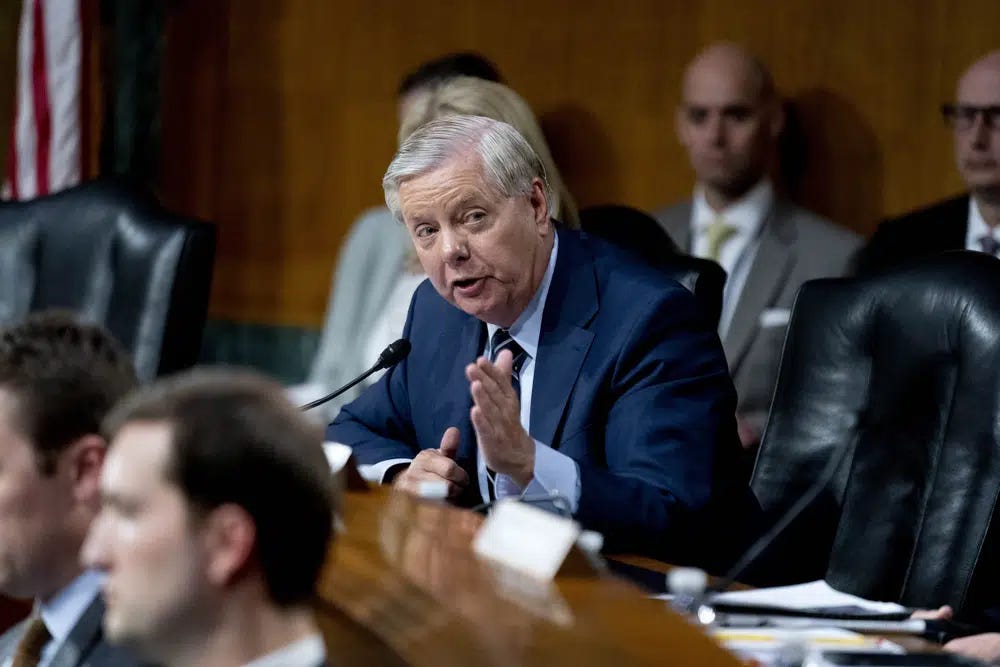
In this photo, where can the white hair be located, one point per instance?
(508, 160)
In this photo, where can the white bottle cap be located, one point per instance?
(687, 581)
(590, 541)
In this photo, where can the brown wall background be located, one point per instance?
(279, 117)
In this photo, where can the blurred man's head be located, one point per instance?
(58, 380)
(729, 120)
(975, 118)
(439, 70)
(216, 505)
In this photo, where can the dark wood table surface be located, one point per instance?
(402, 586)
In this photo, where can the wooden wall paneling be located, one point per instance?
(279, 116)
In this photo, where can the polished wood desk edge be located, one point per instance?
(404, 569)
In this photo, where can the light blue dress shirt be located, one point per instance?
(555, 474)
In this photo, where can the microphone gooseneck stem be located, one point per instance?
(333, 395)
(768, 538)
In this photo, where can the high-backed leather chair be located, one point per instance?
(903, 369)
(115, 256)
(640, 234)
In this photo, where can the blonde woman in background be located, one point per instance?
(468, 96)
(377, 270)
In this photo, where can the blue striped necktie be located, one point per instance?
(502, 340)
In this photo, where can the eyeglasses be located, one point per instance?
(963, 116)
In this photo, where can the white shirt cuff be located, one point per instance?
(556, 480)
(375, 472)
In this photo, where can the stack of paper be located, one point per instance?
(765, 646)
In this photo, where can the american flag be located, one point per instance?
(46, 133)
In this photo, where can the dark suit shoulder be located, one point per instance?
(932, 221)
(956, 208)
(928, 230)
(634, 295)
(104, 654)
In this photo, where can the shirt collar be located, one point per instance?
(62, 612)
(306, 652)
(528, 327)
(977, 225)
(747, 214)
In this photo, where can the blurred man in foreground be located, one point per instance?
(58, 380)
(216, 513)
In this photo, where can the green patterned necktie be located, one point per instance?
(716, 235)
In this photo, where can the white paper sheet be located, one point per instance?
(813, 595)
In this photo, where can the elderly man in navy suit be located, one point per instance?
(545, 364)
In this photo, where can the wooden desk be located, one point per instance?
(402, 587)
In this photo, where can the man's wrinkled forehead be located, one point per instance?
(460, 177)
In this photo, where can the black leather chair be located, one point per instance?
(902, 368)
(640, 234)
(115, 256)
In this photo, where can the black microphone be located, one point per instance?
(390, 356)
(761, 544)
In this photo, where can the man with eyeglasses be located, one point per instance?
(972, 220)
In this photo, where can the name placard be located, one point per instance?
(527, 539)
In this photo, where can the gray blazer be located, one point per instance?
(795, 246)
(84, 647)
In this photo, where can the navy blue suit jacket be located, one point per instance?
(630, 381)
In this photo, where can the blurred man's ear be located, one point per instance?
(82, 461)
(229, 534)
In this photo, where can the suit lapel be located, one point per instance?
(82, 637)
(563, 342)
(453, 410)
(765, 278)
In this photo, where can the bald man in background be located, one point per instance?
(729, 121)
(970, 221)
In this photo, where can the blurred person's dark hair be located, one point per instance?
(236, 439)
(64, 377)
(447, 67)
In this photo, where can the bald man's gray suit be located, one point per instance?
(795, 246)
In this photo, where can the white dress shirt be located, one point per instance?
(63, 611)
(306, 652)
(977, 228)
(737, 254)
